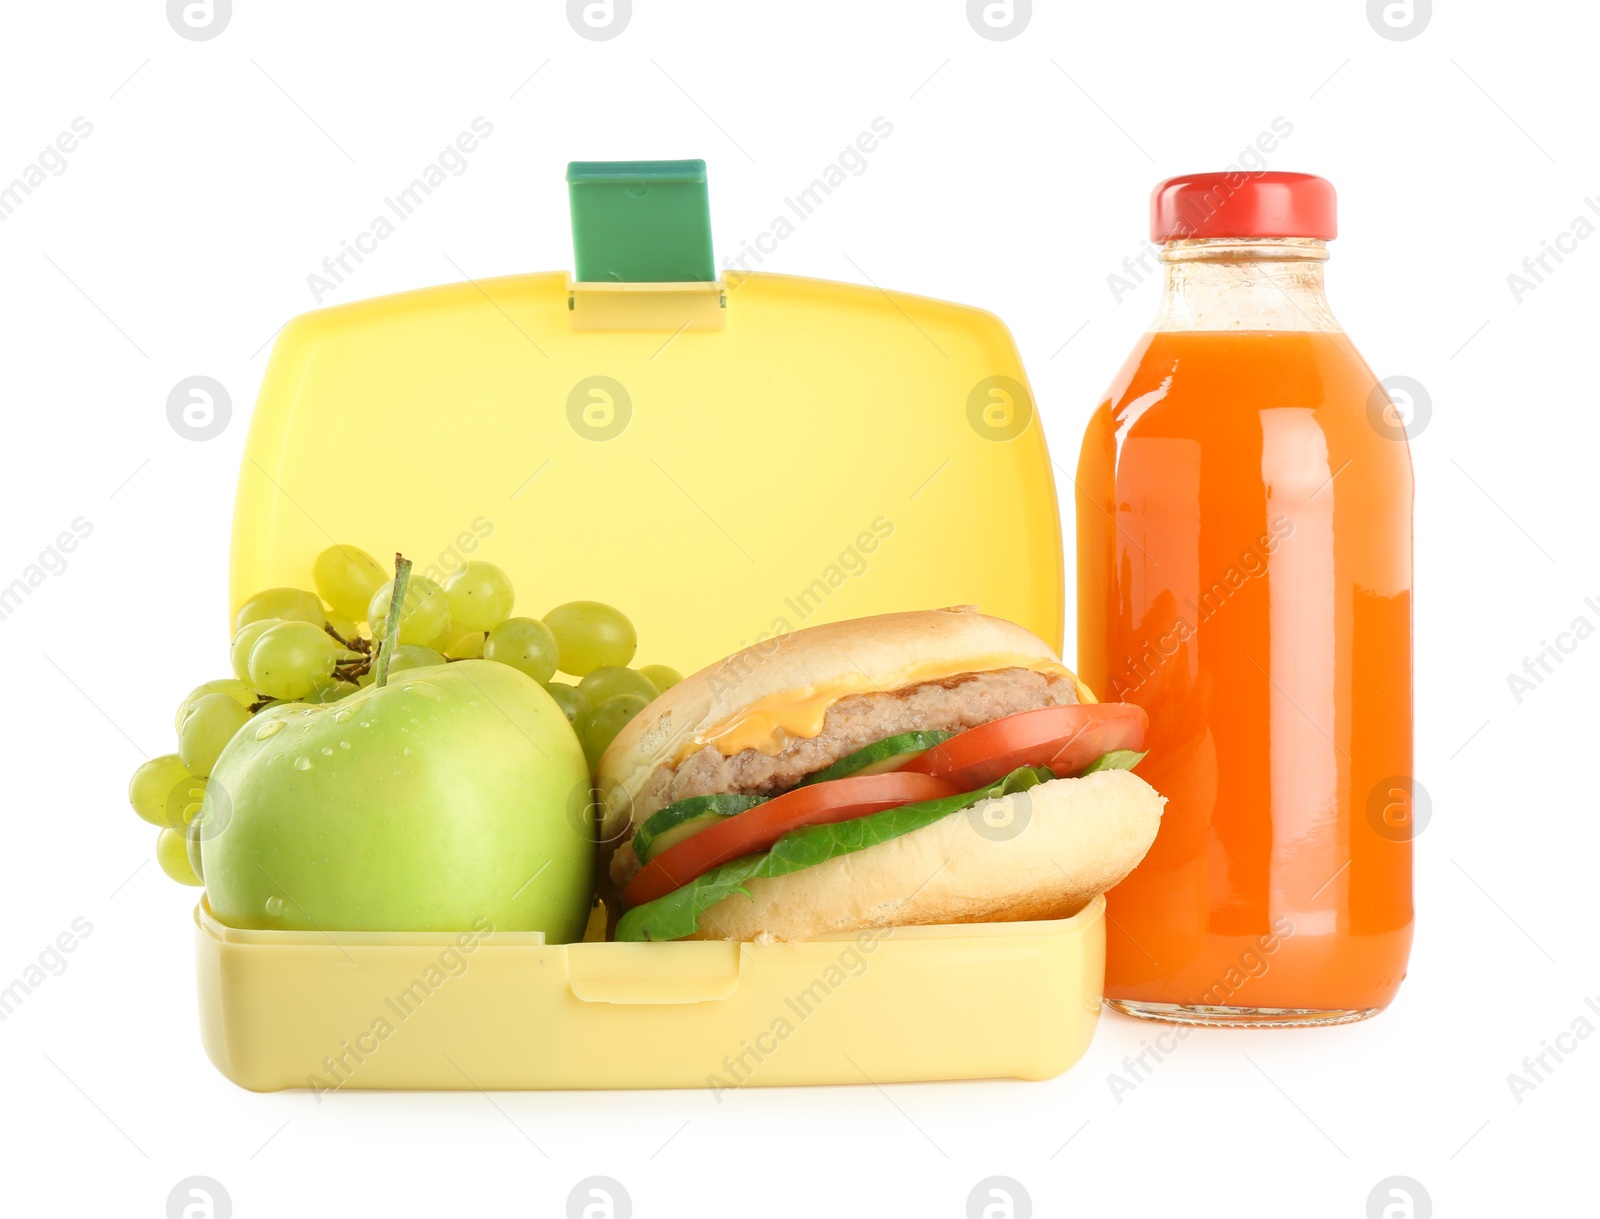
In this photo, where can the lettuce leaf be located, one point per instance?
(1117, 759)
(678, 913)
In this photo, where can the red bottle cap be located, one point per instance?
(1241, 203)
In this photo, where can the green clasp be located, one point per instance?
(640, 222)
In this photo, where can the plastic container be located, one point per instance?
(723, 461)
(362, 1010)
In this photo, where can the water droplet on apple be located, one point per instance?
(274, 906)
(302, 763)
(406, 751)
(270, 728)
(327, 751)
(342, 714)
(344, 744)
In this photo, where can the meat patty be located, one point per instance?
(950, 705)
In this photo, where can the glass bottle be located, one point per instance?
(1244, 574)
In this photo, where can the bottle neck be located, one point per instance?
(1245, 284)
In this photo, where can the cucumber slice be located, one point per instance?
(681, 820)
(880, 757)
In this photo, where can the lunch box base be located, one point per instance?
(505, 1011)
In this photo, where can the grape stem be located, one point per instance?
(391, 625)
(358, 644)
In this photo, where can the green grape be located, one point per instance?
(191, 842)
(163, 789)
(467, 647)
(197, 799)
(447, 635)
(606, 721)
(346, 630)
(413, 656)
(662, 677)
(608, 681)
(243, 642)
(591, 635)
(288, 604)
(224, 685)
(573, 702)
(523, 643)
(209, 726)
(331, 692)
(426, 611)
(291, 660)
(347, 576)
(192, 847)
(172, 853)
(480, 596)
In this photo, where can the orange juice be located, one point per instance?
(1244, 563)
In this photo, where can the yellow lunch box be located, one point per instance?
(725, 459)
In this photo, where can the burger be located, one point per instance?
(938, 766)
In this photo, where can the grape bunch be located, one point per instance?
(292, 645)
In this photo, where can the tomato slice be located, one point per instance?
(758, 828)
(1066, 739)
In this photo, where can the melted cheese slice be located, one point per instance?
(772, 723)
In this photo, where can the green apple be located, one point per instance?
(448, 795)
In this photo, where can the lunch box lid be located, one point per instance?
(723, 459)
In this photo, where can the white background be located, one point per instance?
(219, 174)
